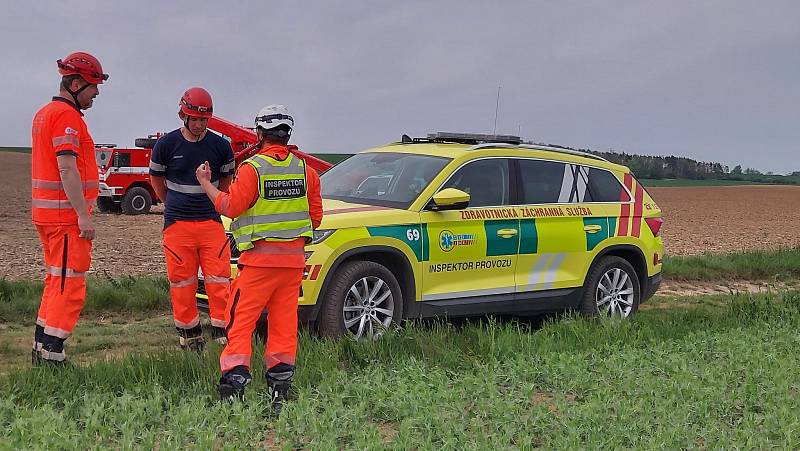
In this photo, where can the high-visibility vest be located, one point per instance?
(281, 211)
(59, 129)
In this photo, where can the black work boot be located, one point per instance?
(36, 352)
(192, 339)
(218, 334)
(279, 380)
(232, 383)
(52, 352)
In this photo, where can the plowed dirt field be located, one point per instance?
(715, 219)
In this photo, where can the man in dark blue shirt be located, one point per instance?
(193, 233)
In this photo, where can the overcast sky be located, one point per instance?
(710, 80)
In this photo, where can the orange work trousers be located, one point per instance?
(254, 289)
(67, 257)
(189, 245)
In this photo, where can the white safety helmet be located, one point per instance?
(272, 116)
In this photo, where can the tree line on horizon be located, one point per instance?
(673, 167)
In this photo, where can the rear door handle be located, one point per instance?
(592, 228)
(507, 233)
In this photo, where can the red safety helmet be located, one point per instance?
(83, 64)
(196, 102)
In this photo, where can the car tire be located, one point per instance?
(612, 289)
(107, 205)
(380, 306)
(137, 201)
(147, 143)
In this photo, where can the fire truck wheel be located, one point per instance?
(137, 201)
(107, 205)
(146, 143)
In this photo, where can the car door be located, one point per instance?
(473, 252)
(553, 241)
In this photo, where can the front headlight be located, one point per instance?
(321, 235)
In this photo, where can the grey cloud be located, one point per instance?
(711, 80)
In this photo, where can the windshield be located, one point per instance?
(386, 179)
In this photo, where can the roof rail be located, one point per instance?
(461, 138)
(538, 147)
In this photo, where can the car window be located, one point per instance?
(605, 187)
(543, 182)
(381, 178)
(486, 182)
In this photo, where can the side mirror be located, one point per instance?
(448, 199)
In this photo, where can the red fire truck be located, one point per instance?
(124, 172)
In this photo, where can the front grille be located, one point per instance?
(234, 250)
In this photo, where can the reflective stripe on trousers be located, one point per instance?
(231, 361)
(58, 272)
(188, 325)
(182, 283)
(56, 332)
(217, 279)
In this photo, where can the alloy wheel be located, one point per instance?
(368, 308)
(614, 296)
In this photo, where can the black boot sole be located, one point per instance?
(228, 392)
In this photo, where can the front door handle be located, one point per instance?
(507, 233)
(592, 228)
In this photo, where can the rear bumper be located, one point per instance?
(653, 283)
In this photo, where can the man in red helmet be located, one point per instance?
(64, 185)
(193, 233)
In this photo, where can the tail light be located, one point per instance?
(655, 225)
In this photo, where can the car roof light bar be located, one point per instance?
(473, 138)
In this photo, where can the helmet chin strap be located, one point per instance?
(186, 124)
(74, 94)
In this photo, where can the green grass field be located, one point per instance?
(778, 265)
(686, 372)
(715, 372)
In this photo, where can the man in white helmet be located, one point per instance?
(276, 203)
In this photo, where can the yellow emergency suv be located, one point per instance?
(467, 224)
